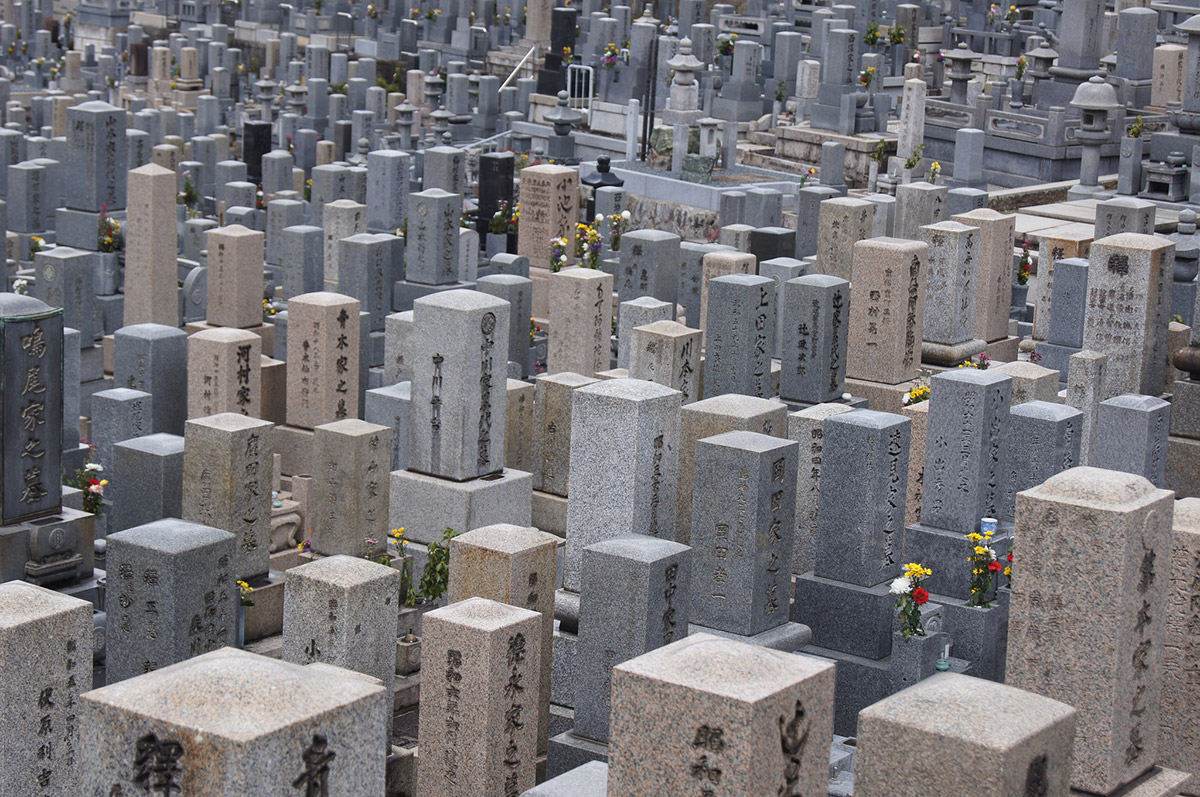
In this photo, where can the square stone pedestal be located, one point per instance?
(404, 293)
(788, 637)
(880, 397)
(550, 513)
(426, 505)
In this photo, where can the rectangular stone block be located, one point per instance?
(843, 222)
(806, 429)
(552, 429)
(153, 358)
(952, 268)
(389, 406)
(224, 373)
(323, 346)
(740, 337)
(267, 725)
(486, 656)
(171, 596)
(580, 321)
(649, 266)
(1131, 436)
(743, 521)
(993, 285)
(1041, 439)
(235, 276)
(349, 496)
(667, 352)
(888, 316)
(151, 469)
(227, 476)
(1124, 522)
(625, 447)
(680, 715)
(459, 387)
(814, 332)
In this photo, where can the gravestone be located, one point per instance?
(323, 340)
(888, 316)
(806, 427)
(952, 268)
(552, 429)
(235, 264)
(150, 248)
(814, 332)
(666, 352)
(485, 655)
(703, 705)
(739, 340)
(1131, 436)
(224, 373)
(319, 727)
(227, 476)
(580, 321)
(153, 358)
(151, 483)
(171, 595)
(633, 491)
(348, 509)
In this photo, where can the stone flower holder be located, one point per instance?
(980, 636)
(408, 654)
(914, 659)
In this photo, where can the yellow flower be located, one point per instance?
(104, 482)
(973, 537)
(1008, 570)
(979, 549)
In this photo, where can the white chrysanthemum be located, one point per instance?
(900, 585)
(95, 466)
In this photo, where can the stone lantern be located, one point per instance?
(959, 71)
(563, 118)
(1097, 102)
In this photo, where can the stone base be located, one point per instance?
(980, 636)
(858, 683)
(945, 552)
(853, 402)
(550, 513)
(880, 396)
(74, 459)
(846, 617)
(294, 446)
(947, 355)
(1158, 782)
(265, 617)
(1003, 350)
(1185, 409)
(426, 505)
(565, 672)
(264, 331)
(568, 751)
(1183, 467)
(589, 780)
(78, 229)
(110, 313)
(788, 637)
(1055, 357)
(404, 293)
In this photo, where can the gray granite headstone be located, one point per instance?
(1042, 438)
(814, 331)
(153, 358)
(740, 335)
(119, 414)
(1131, 436)
(149, 483)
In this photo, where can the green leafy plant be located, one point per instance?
(880, 152)
(781, 91)
(1137, 128)
(436, 575)
(896, 34)
(915, 157)
(871, 37)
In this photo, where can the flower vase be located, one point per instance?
(408, 655)
(980, 635)
(1020, 294)
(511, 243)
(873, 176)
(497, 243)
(240, 621)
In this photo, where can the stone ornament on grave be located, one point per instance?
(708, 712)
(264, 727)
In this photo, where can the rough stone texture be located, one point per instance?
(668, 353)
(964, 469)
(46, 653)
(637, 313)
(1030, 382)
(1041, 439)
(171, 595)
(1085, 391)
(1072, 242)
(514, 565)
(323, 338)
(235, 276)
(649, 265)
(518, 292)
(249, 735)
(580, 321)
(344, 218)
(549, 209)
(552, 429)
(1098, 542)
(1023, 748)
(119, 414)
(388, 406)
(625, 448)
(740, 338)
(806, 428)
(1131, 435)
(426, 505)
(153, 358)
(518, 424)
(859, 531)
(1130, 326)
(888, 314)
(151, 276)
(720, 264)
(681, 712)
(993, 285)
(397, 347)
(1179, 717)
(482, 659)
(348, 497)
(635, 599)
(743, 523)
(151, 469)
(843, 222)
(224, 373)
(227, 476)
(813, 327)
(714, 416)
(459, 385)
(341, 610)
(919, 415)
(586, 780)
(952, 266)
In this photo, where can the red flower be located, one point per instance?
(1010, 556)
(920, 595)
(93, 481)
(994, 566)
